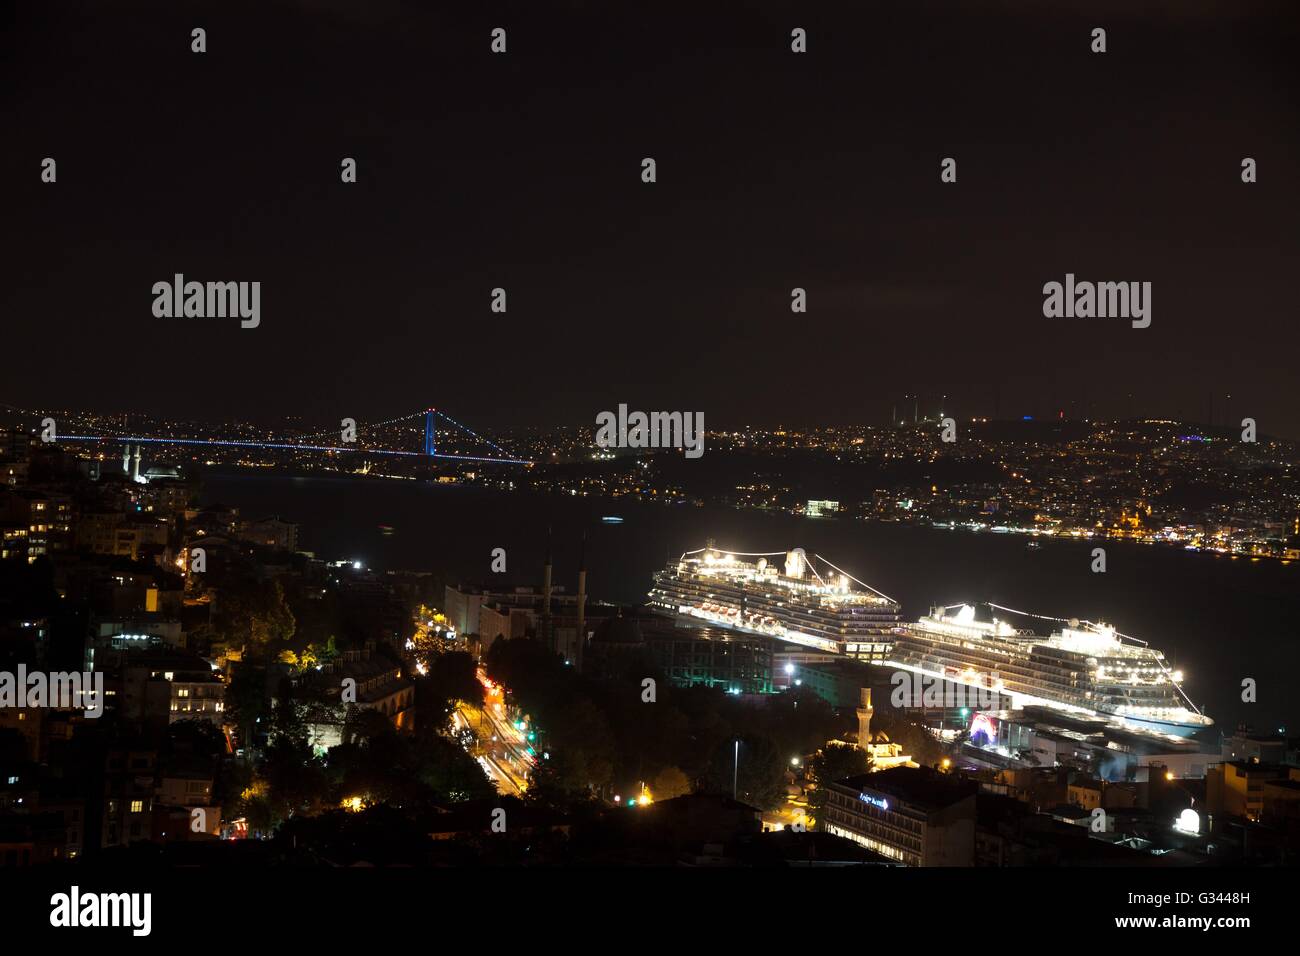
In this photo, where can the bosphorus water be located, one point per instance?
(1218, 619)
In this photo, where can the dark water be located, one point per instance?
(1219, 620)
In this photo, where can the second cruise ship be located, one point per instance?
(1081, 668)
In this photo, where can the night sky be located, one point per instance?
(775, 170)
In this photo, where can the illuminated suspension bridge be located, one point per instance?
(432, 419)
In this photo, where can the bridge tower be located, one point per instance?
(430, 438)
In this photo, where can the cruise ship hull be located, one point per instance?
(693, 616)
(1175, 727)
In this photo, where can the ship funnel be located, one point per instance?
(795, 563)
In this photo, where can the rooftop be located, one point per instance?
(921, 785)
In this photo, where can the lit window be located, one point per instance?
(137, 806)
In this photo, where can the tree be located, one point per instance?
(198, 737)
(405, 770)
(254, 615)
(833, 762)
(582, 734)
(796, 721)
(275, 621)
(916, 741)
(247, 702)
(311, 656)
(448, 771)
(365, 723)
(452, 677)
(759, 774)
(558, 782)
(295, 779)
(287, 719)
(669, 783)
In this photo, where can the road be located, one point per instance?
(501, 748)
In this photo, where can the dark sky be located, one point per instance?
(775, 170)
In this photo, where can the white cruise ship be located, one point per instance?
(1083, 667)
(799, 602)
